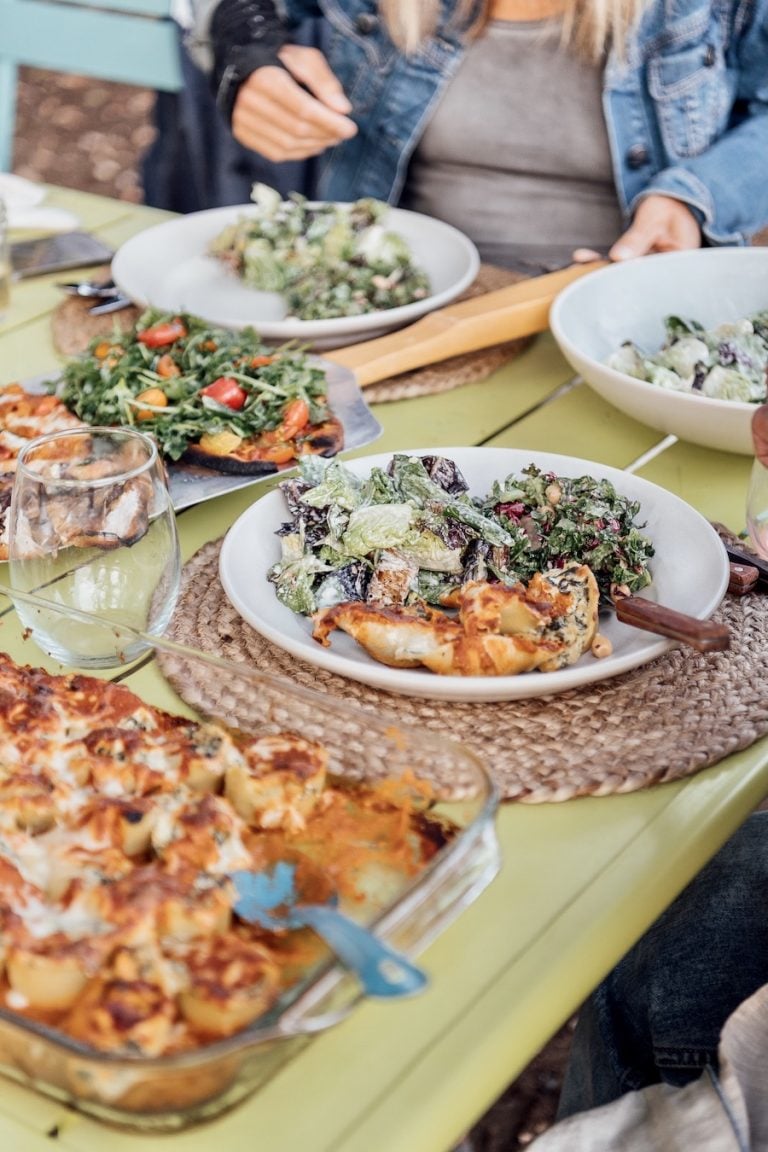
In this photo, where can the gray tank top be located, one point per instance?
(516, 154)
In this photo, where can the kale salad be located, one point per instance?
(326, 260)
(729, 362)
(412, 532)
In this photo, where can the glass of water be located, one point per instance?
(757, 495)
(92, 528)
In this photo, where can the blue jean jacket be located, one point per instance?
(686, 109)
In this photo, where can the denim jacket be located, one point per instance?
(686, 108)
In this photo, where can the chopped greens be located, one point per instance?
(729, 362)
(326, 259)
(413, 532)
(156, 377)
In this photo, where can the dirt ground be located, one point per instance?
(91, 135)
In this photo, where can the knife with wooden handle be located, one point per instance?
(507, 314)
(703, 635)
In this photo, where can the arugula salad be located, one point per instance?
(327, 260)
(413, 533)
(182, 380)
(729, 362)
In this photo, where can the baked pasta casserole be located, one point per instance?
(120, 827)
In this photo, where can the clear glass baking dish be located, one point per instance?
(168, 1093)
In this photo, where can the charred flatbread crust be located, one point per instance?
(24, 416)
(326, 439)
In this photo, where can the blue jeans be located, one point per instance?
(658, 1015)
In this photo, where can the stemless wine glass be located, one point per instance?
(91, 527)
(757, 496)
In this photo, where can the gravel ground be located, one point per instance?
(91, 135)
(82, 133)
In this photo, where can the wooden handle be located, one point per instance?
(742, 579)
(507, 314)
(703, 635)
(751, 559)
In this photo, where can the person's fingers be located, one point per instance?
(310, 68)
(274, 94)
(258, 131)
(274, 117)
(585, 255)
(640, 239)
(661, 224)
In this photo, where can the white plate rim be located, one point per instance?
(339, 327)
(710, 586)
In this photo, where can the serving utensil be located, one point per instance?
(97, 289)
(751, 560)
(271, 899)
(114, 303)
(742, 578)
(703, 635)
(507, 314)
(108, 296)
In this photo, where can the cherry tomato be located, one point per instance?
(295, 417)
(161, 334)
(167, 366)
(226, 391)
(154, 396)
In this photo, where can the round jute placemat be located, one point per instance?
(457, 370)
(660, 722)
(73, 326)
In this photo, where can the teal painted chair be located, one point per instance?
(128, 41)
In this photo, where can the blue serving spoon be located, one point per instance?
(270, 899)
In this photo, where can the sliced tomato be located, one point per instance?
(159, 335)
(226, 391)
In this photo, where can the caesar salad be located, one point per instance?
(728, 362)
(413, 533)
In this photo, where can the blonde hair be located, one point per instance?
(589, 26)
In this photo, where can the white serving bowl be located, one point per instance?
(592, 317)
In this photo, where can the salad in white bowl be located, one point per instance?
(729, 362)
(627, 304)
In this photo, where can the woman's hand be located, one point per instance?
(293, 114)
(661, 224)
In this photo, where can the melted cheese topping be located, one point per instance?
(120, 825)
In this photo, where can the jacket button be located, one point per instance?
(710, 56)
(637, 156)
(366, 22)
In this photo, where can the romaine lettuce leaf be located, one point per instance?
(377, 526)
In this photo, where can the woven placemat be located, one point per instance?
(73, 326)
(457, 371)
(668, 719)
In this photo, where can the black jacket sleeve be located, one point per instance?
(244, 35)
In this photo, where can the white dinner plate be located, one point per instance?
(690, 574)
(168, 267)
